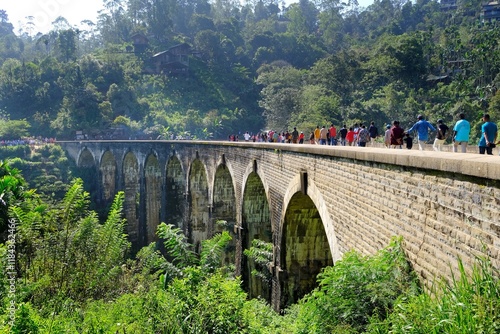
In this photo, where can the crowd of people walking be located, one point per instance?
(394, 137)
(31, 141)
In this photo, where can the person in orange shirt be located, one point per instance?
(317, 133)
(350, 136)
(333, 135)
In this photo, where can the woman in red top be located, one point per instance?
(350, 136)
(397, 134)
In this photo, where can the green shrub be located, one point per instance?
(469, 303)
(17, 151)
(356, 289)
(24, 323)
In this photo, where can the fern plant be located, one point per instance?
(176, 245)
(65, 252)
(212, 251)
(261, 253)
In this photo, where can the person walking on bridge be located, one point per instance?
(323, 138)
(397, 134)
(317, 133)
(422, 127)
(350, 136)
(442, 133)
(333, 135)
(461, 132)
(363, 136)
(295, 136)
(343, 133)
(489, 132)
(387, 136)
(373, 130)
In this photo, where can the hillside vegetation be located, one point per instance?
(252, 66)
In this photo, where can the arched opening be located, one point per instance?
(304, 249)
(199, 205)
(175, 185)
(87, 170)
(224, 208)
(256, 221)
(108, 177)
(131, 175)
(152, 176)
(86, 159)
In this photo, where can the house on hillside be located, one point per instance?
(174, 60)
(140, 43)
(446, 5)
(491, 12)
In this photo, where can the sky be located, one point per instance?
(44, 12)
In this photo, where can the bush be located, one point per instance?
(467, 304)
(356, 289)
(17, 151)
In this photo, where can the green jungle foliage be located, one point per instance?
(46, 168)
(252, 65)
(74, 274)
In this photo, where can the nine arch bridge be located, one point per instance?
(312, 202)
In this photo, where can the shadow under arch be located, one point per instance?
(131, 180)
(199, 205)
(256, 224)
(224, 209)
(86, 159)
(108, 170)
(87, 168)
(152, 178)
(175, 190)
(308, 242)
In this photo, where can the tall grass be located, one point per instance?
(467, 303)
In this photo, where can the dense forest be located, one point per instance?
(251, 66)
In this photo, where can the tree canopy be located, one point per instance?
(252, 65)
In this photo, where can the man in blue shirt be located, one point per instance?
(489, 133)
(461, 132)
(422, 127)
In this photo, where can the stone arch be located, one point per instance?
(87, 170)
(86, 159)
(256, 224)
(153, 180)
(108, 177)
(224, 207)
(308, 242)
(175, 188)
(199, 204)
(131, 179)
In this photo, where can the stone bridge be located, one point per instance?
(313, 203)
